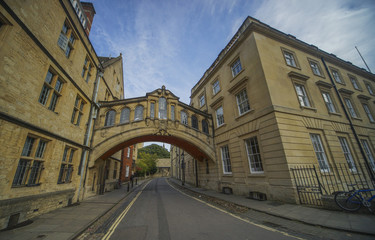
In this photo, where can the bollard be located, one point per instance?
(128, 186)
(132, 183)
(136, 181)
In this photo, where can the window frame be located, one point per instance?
(337, 75)
(329, 103)
(293, 56)
(347, 153)
(368, 112)
(316, 63)
(320, 154)
(31, 162)
(216, 87)
(226, 163)
(354, 82)
(202, 102)
(79, 104)
(251, 155)
(305, 95)
(123, 117)
(219, 119)
(64, 40)
(244, 101)
(351, 109)
(139, 116)
(369, 152)
(184, 118)
(194, 122)
(369, 88)
(110, 118)
(236, 67)
(163, 113)
(52, 89)
(67, 165)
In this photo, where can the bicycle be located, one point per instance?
(353, 200)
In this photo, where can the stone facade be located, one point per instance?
(275, 105)
(48, 75)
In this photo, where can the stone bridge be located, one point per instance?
(158, 116)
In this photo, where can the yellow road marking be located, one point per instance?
(238, 217)
(122, 215)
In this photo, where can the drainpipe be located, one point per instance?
(350, 121)
(99, 75)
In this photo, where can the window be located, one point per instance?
(350, 108)
(51, 90)
(368, 112)
(328, 100)
(66, 39)
(319, 151)
(30, 165)
(369, 88)
(368, 152)
(125, 115)
(227, 169)
(77, 111)
(302, 95)
(205, 126)
(347, 154)
(115, 171)
(315, 67)
(184, 118)
(128, 153)
(355, 83)
(110, 118)
(172, 112)
(216, 87)
(236, 67)
(152, 110)
(219, 116)
(253, 155)
(162, 108)
(86, 70)
(194, 122)
(202, 101)
(337, 76)
(290, 58)
(242, 102)
(66, 168)
(138, 115)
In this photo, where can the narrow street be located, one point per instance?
(161, 212)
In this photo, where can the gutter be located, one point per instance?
(350, 121)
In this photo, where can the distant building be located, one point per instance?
(163, 166)
(128, 163)
(50, 82)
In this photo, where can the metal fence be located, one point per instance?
(312, 183)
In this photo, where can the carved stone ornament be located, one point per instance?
(162, 132)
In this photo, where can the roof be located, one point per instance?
(106, 61)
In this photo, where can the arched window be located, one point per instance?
(110, 118)
(162, 108)
(184, 118)
(138, 115)
(194, 122)
(125, 115)
(205, 126)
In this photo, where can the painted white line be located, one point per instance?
(122, 215)
(238, 217)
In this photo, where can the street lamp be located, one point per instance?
(183, 167)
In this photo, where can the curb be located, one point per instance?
(84, 228)
(278, 215)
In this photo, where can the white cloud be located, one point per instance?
(335, 26)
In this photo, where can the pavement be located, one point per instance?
(362, 223)
(70, 222)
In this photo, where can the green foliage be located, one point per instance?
(155, 149)
(146, 164)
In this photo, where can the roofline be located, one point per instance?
(254, 25)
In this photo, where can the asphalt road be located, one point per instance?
(161, 212)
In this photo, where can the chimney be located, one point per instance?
(90, 12)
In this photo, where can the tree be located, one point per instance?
(146, 164)
(155, 149)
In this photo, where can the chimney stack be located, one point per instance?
(90, 12)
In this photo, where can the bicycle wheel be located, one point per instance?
(348, 201)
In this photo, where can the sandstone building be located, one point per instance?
(50, 82)
(279, 103)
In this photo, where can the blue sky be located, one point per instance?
(173, 42)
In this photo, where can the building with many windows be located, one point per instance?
(50, 82)
(279, 103)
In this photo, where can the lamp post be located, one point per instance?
(183, 167)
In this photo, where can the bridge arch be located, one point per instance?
(147, 126)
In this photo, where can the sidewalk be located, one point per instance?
(69, 222)
(351, 222)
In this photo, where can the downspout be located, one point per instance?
(83, 173)
(350, 121)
